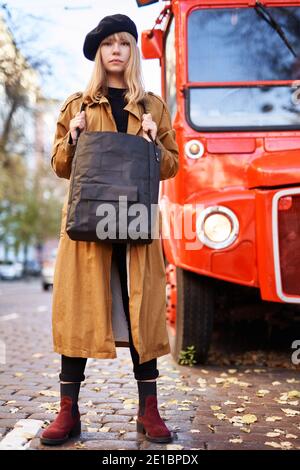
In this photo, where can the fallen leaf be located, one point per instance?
(236, 420)
(49, 393)
(202, 382)
(294, 394)
(173, 402)
(220, 416)
(286, 445)
(290, 412)
(239, 410)
(244, 397)
(262, 393)
(215, 408)
(273, 434)
(273, 418)
(279, 430)
(47, 374)
(273, 444)
(104, 429)
(51, 407)
(231, 381)
(89, 404)
(249, 419)
(291, 436)
(228, 402)
(211, 428)
(79, 445)
(237, 440)
(248, 430)
(184, 388)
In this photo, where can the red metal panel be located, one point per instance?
(231, 145)
(277, 169)
(273, 144)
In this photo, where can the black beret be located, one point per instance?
(107, 26)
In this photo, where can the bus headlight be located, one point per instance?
(217, 227)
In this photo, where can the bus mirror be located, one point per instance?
(142, 3)
(152, 44)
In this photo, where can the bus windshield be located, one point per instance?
(239, 45)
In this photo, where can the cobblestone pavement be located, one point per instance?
(211, 407)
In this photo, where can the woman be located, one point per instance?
(86, 290)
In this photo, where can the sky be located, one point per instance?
(58, 27)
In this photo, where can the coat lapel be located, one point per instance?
(134, 118)
(135, 112)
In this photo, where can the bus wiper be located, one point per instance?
(262, 11)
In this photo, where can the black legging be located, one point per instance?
(72, 368)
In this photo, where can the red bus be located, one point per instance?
(230, 74)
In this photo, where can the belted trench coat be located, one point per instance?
(87, 313)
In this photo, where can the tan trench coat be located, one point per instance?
(87, 308)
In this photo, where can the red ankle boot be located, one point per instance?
(64, 426)
(151, 424)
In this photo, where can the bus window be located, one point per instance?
(253, 108)
(236, 44)
(171, 69)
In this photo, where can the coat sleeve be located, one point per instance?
(63, 148)
(165, 140)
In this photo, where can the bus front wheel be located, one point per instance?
(193, 324)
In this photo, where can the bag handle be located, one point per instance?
(144, 104)
(82, 108)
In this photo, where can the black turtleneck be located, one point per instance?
(117, 103)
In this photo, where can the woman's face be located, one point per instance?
(115, 54)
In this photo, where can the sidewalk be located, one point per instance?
(213, 407)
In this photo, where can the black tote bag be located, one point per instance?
(114, 188)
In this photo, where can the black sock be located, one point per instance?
(71, 390)
(145, 389)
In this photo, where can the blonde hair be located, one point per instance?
(132, 75)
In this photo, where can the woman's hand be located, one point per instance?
(77, 121)
(148, 125)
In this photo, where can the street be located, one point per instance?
(217, 406)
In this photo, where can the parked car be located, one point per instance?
(32, 268)
(10, 270)
(48, 266)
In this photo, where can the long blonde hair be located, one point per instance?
(132, 75)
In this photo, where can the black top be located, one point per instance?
(117, 103)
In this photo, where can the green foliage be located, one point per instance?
(187, 357)
(30, 210)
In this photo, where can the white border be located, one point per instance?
(278, 283)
